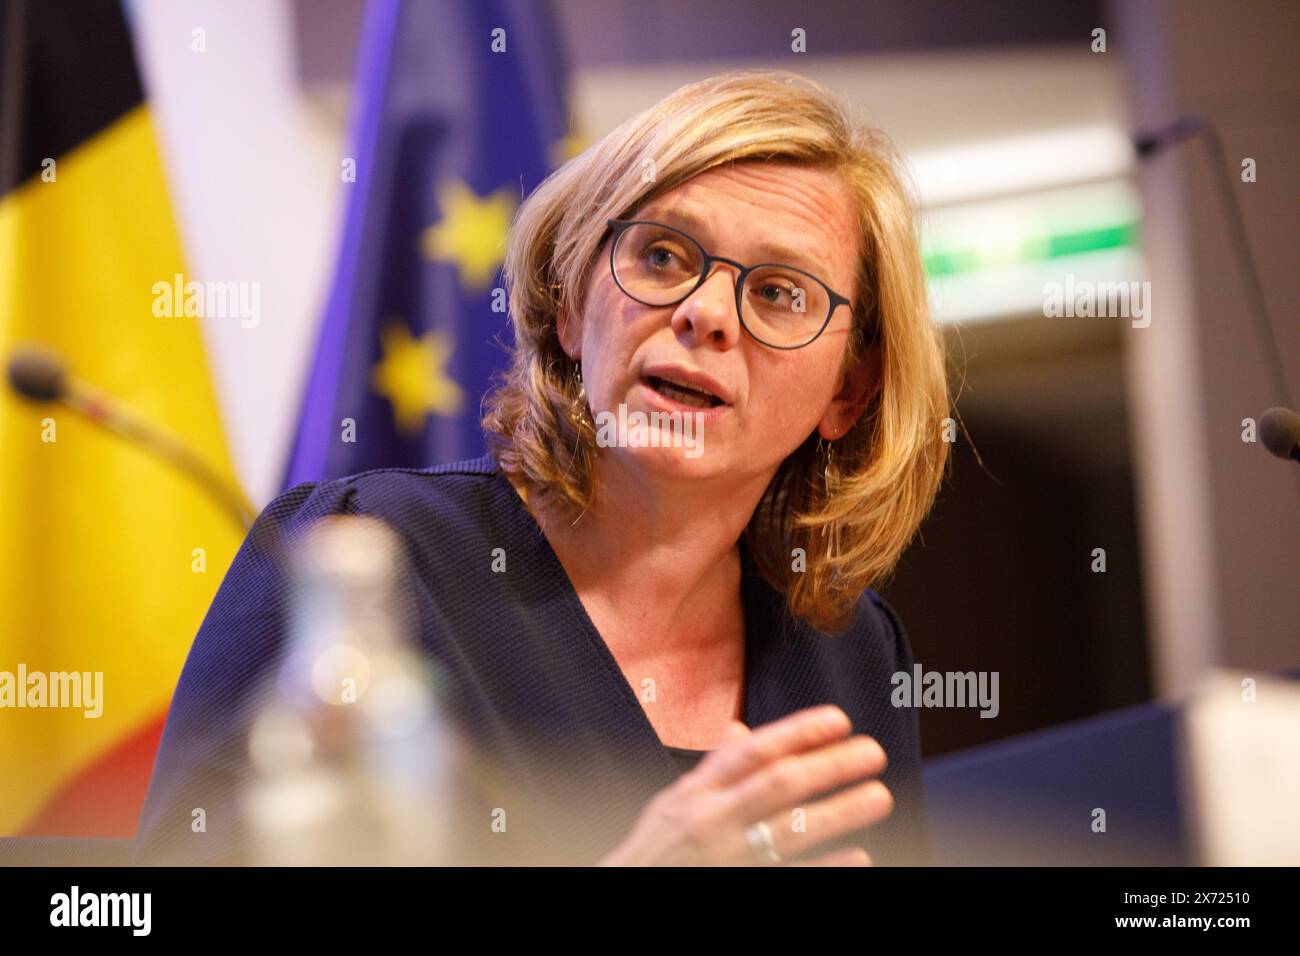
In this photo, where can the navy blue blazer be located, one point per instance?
(528, 678)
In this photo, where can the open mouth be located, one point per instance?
(683, 394)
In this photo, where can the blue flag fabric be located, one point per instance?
(459, 112)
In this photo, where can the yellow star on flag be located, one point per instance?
(471, 234)
(412, 375)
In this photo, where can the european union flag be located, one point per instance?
(459, 113)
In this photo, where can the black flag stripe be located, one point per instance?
(67, 71)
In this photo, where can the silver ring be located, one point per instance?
(760, 841)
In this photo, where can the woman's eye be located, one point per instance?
(661, 257)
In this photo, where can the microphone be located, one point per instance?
(1148, 142)
(39, 375)
(1279, 430)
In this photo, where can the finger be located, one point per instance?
(789, 781)
(797, 733)
(855, 808)
(853, 856)
(843, 813)
(735, 731)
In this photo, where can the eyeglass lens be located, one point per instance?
(780, 305)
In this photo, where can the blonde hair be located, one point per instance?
(853, 514)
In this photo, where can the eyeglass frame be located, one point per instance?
(619, 226)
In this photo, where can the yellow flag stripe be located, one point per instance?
(108, 559)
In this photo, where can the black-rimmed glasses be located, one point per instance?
(779, 305)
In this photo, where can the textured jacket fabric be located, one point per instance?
(525, 677)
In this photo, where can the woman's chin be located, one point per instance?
(683, 461)
(687, 444)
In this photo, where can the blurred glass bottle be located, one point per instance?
(354, 764)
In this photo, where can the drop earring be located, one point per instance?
(580, 403)
(827, 450)
(829, 479)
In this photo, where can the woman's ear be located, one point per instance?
(858, 386)
(568, 333)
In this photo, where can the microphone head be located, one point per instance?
(1150, 141)
(37, 373)
(1279, 430)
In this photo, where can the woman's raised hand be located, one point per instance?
(738, 807)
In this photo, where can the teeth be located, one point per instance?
(686, 398)
(701, 397)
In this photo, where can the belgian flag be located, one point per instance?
(108, 558)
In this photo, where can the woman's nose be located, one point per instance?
(710, 311)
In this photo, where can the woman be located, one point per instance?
(662, 635)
